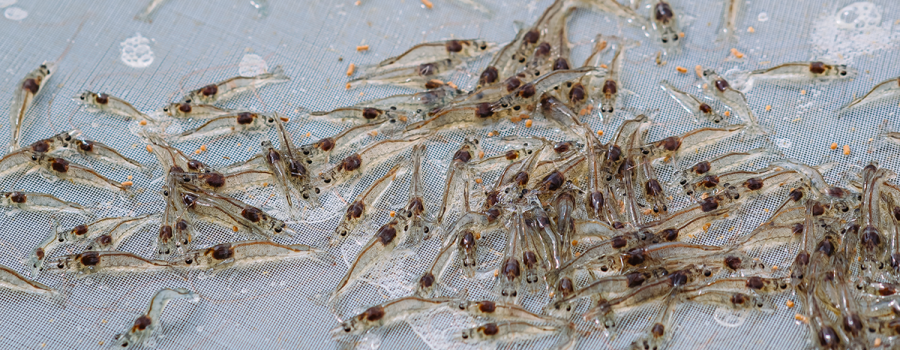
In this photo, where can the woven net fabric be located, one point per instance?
(98, 46)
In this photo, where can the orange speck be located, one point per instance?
(774, 267)
(789, 303)
(736, 53)
(149, 148)
(681, 34)
(768, 108)
(491, 134)
(203, 148)
(347, 86)
(551, 294)
(427, 4)
(583, 111)
(751, 30)
(496, 273)
(877, 342)
(285, 119)
(480, 154)
(833, 145)
(477, 235)
(601, 45)
(705, 86)
(451, 84)
(727, 114)
(603, 65)
(646, 211)
(577, 254)
(129, 177)
(362, 48)
(698, 69)
(515, 119)
(402, 118)
(574, 242)
(681, 69)
(308, 134)
(766, 210)
(357, 2)
(801, 318)
(100, 342)
(706, 226)
(143, 122)
(393, 213)
(436, 82)
(234, 228)
(197, 151)
(846, 150)
(373, 133)
(351, 69)
(239, 144)
(528, 123)
(127, 183)
(599, 132)
(803, 92)
(478, 180)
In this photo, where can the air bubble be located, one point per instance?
(136, 52)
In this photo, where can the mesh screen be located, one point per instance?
(280, 305)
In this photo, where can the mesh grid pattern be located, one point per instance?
(280, 305)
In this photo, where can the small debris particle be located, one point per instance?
(239, 144)
(574, 242)
(599, 132)
(143, 122)
(774, 267)
(727, 114)
(577, 254)
(681, 69)
(127, 183)
(528, 123)
(646, 211)
(604, 66)
(515, 119)
(551, 294)
(736, 53)
(751, 30)
(877, 341)
(362, 48)
(203, 148)
(705, 86)
(583, 111)
(698, 69)
(496, 273)
(103, 321)
(402, 118)
(833, 145)
(308, 134)
(436, 82)
(478, 180)
(768, 108)
(350, 69)
(427, 4)
(477, 235)
(149, 148)
(789, 303)
(197, 151)
(373, 133)
(393, 213)
(357, 2)
(480, 154)
(451, 84)
(234, 228)
(846, 150)
(731, 228)
(803, 92)
(706, 226)
(100, 342)
(801, 318)
(129, 177)
(285, 119)
(766, 210)
(347, 86)
(491, 134)
(681, 34)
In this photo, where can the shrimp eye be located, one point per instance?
(33, 157)
(465, 336)
(665, 41)
(483, 46)
(271, 120)
(82, 97)
(675, 38)
(189, 261)
(278, 229)
(125, 344)
(187, 101)
(843, 72)
(166, 109)
(347, 329)
(59, 265)
(166, 193)
(68, 138)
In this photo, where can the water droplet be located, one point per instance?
(15, 13)
(252, 65)
(5, 3)
(136, 52)
(728, 317)
(784, 143)
(762, 17)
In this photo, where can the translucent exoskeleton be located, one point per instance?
(96, 150)
(60, 169)
(694, 105)
(735, 100)
(369, 156)
(148, 11)
(731, 9)
(243, 253)
(10, 279)
(92, 262)
(810, 71)
(377, 249)
(422, 63)
(226, 124)
(226, 89)
(231, 212)
(884, 90)
(346, 139)
(665, 22)
(105, 103)
(415, 215)
(518, 331)
(184, 110)
(361, 207)
(23, 97)
(385, 315)
(146, 324)
(33, 201)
